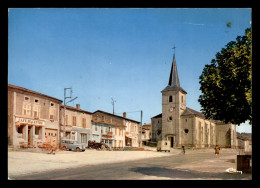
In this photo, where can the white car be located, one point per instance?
(72, 145)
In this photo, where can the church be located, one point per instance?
(183, 126)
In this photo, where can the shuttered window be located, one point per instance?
(84, 122)
(67, 120)
(74, 123)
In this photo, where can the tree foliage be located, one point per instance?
(226, 83)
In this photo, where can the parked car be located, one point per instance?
(72, 145)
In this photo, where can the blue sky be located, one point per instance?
(124, 53)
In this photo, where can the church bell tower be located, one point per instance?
(173, 104)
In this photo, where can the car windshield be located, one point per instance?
(69, 141)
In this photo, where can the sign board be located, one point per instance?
(30, 121)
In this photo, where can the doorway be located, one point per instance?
(171, 139)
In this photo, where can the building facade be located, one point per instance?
(147, 132)
(132, 131)
(77, 124)
(33, 118)
(108, 128)
(184, 126)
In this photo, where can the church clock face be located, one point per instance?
(171, 109)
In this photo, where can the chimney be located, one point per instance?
(78, 106)
(124, 114)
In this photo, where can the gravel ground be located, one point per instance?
(20, 162)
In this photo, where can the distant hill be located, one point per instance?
(245, 136)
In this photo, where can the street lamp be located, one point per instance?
(140, 137)
(64, 123)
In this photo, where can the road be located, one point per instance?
(195, 166)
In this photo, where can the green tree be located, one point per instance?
(226, 83)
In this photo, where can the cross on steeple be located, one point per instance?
(174, 49)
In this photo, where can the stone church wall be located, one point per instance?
(187, 131)
(156, 129)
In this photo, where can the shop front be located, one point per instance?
(29, 132)
(81, 135)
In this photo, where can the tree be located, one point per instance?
(226, 83)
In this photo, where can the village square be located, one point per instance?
(50, 138)
(36, 125)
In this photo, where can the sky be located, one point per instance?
(120, 53)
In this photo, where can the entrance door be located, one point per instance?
(172, 142)
(170, 138)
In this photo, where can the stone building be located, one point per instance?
(33, 118)
(78, 124)
(146, 132)
(132, 131)
(184, 126)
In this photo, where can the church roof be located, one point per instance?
(189, 111)
(157, 116)
(174, 83)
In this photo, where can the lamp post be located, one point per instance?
(64, 123)
(141, 129)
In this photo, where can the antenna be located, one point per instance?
(113, 103)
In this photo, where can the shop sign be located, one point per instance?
(29, 121)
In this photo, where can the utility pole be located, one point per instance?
(140, 137)
(113, 103)
(65, 97)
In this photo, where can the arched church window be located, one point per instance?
(186, 130)
(170, 98)
(170, 118)
(182, 99)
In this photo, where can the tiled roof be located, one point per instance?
(108, 123)
(157, 116)
(189, 111)
(34, 92)
(73, 108)
(116, 116)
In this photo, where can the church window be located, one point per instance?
(170, 118)
(182, 99)
(170, 98)
(159, 132)
(186, 120)
(186, 130)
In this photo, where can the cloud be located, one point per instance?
(195, 24)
